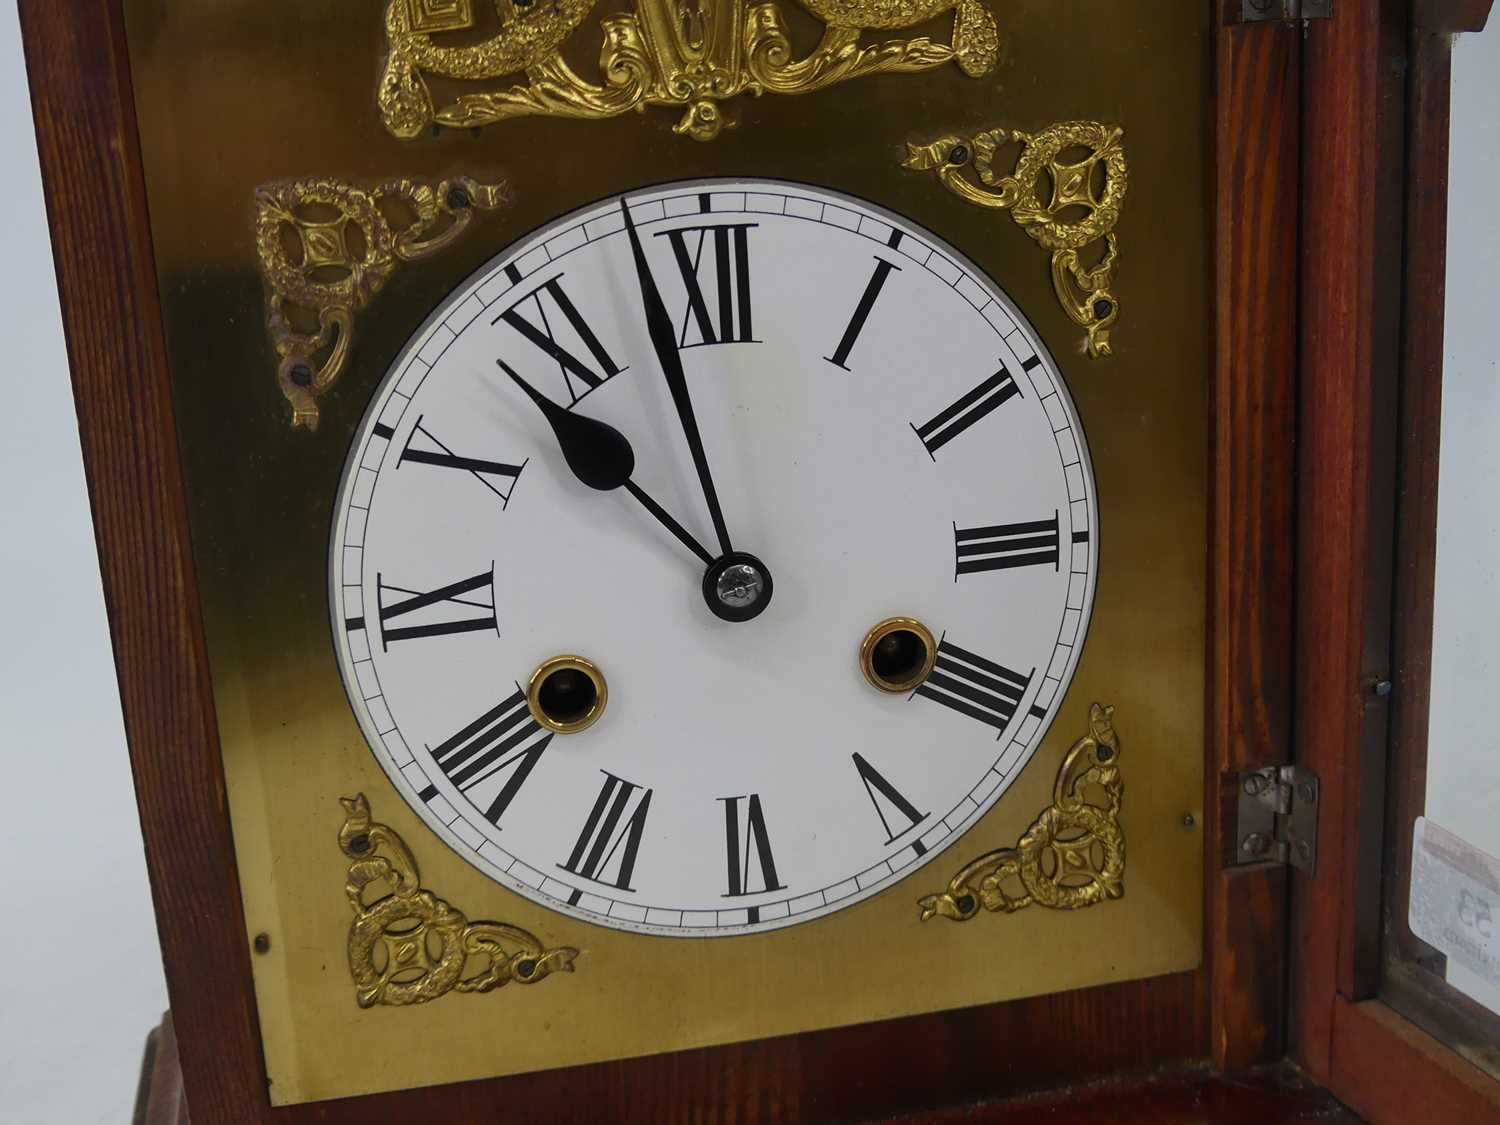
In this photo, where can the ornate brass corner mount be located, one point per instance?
(691, 54)
(327, 249)
(409, 946)
(1066, 205)
(1072, 856)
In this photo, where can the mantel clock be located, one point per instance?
(693, 526)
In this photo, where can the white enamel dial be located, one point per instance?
(884, 433)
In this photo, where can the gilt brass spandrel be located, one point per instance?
(1083, 202)
(327, 249)
(408, 946)
(1072, 856)
(230, 98)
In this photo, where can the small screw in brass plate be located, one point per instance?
(567, 694)
(897, 654)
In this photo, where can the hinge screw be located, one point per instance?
(1382, 688)
(1256, 844)
(1305, 793)
(1254, 785)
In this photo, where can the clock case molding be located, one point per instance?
(1309, 343)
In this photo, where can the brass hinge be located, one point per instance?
(1285, 11)
(1278, 817)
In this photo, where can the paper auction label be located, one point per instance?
(1455, 899)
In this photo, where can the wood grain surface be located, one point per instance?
(1395, 1074)
(1273, 1096)
(1278, 1094)
(1353, 159)
(1257, 185)
(1448, 16)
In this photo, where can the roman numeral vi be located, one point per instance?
(742, 858)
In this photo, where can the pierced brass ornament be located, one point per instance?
(692, 54)
(1066, 205)
(327, 249)
(1072, 856)
(410, 946)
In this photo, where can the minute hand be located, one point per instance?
(664, 341)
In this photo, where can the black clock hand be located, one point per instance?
(600, 456)
(664, 341)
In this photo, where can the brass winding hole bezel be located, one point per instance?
(879, 633)
(566, 663)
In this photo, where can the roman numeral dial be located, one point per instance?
(582, 476)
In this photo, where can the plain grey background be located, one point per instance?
(83, 980)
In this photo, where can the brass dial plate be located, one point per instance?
(241, 93)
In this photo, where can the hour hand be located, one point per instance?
(600, 456)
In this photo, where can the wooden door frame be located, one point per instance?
(1374, 219)
(1229, 1011)
(1257, 150)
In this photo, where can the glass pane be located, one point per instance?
(1442, 964)
(1463, 778)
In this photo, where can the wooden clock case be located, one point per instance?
(1329, 221)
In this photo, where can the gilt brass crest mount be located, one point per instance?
(688, 54)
